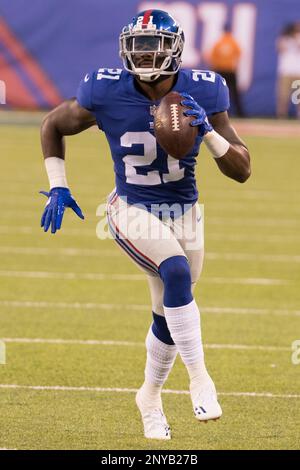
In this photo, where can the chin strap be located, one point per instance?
(147, 76)
(151, 78)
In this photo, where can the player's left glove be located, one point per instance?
(58, 200)
(196, 110)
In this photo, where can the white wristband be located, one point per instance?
(216, 144)
(56, 172)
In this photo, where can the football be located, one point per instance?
(172, 128)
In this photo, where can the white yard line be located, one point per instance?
(250, 311)
(74, 305)
(14, 203)
(93, 342)
(258, 222)
(261, 194)
(278, 258)
(9, 229)
(254, 238)
(88, 342)
(235, 237)
(137, 277)
(72, 275)
(276, 221)
(29, 230)
(274, 207)
(269, 195)
(247, 281)
(142, 307)
(133, 390)
(248, 347)
(38, 251)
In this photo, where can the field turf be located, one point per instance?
(60, 390)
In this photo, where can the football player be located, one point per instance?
(121, 102)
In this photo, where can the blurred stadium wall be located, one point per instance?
(47, 46)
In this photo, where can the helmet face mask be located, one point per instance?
(152, 49)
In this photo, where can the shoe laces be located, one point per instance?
(156, 418)
(205, 395)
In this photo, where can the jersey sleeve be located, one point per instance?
(85, 92)
(222, 98)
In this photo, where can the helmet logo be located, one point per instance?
(144, 21)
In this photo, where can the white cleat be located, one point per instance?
(154, 421)
(205, 403)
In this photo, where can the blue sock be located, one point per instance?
(160, 329)
(176, 275)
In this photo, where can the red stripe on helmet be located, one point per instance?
(146, 18)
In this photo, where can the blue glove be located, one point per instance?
(199, 113)
(58, 200)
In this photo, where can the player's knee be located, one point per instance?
(176, 275)
(175, 270)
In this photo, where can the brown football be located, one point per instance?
(172, 128)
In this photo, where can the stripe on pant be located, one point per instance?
(132, 251)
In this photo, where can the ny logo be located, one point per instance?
(152, 113)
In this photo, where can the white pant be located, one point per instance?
(149, 241)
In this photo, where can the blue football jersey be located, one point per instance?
(144, 173)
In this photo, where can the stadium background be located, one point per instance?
(46, 47)
(74, 311)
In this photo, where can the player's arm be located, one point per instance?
(68, 118)
(235, 163)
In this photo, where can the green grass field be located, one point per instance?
(249, 295)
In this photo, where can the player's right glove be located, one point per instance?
(58, 200)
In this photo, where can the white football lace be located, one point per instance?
(175, 117)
